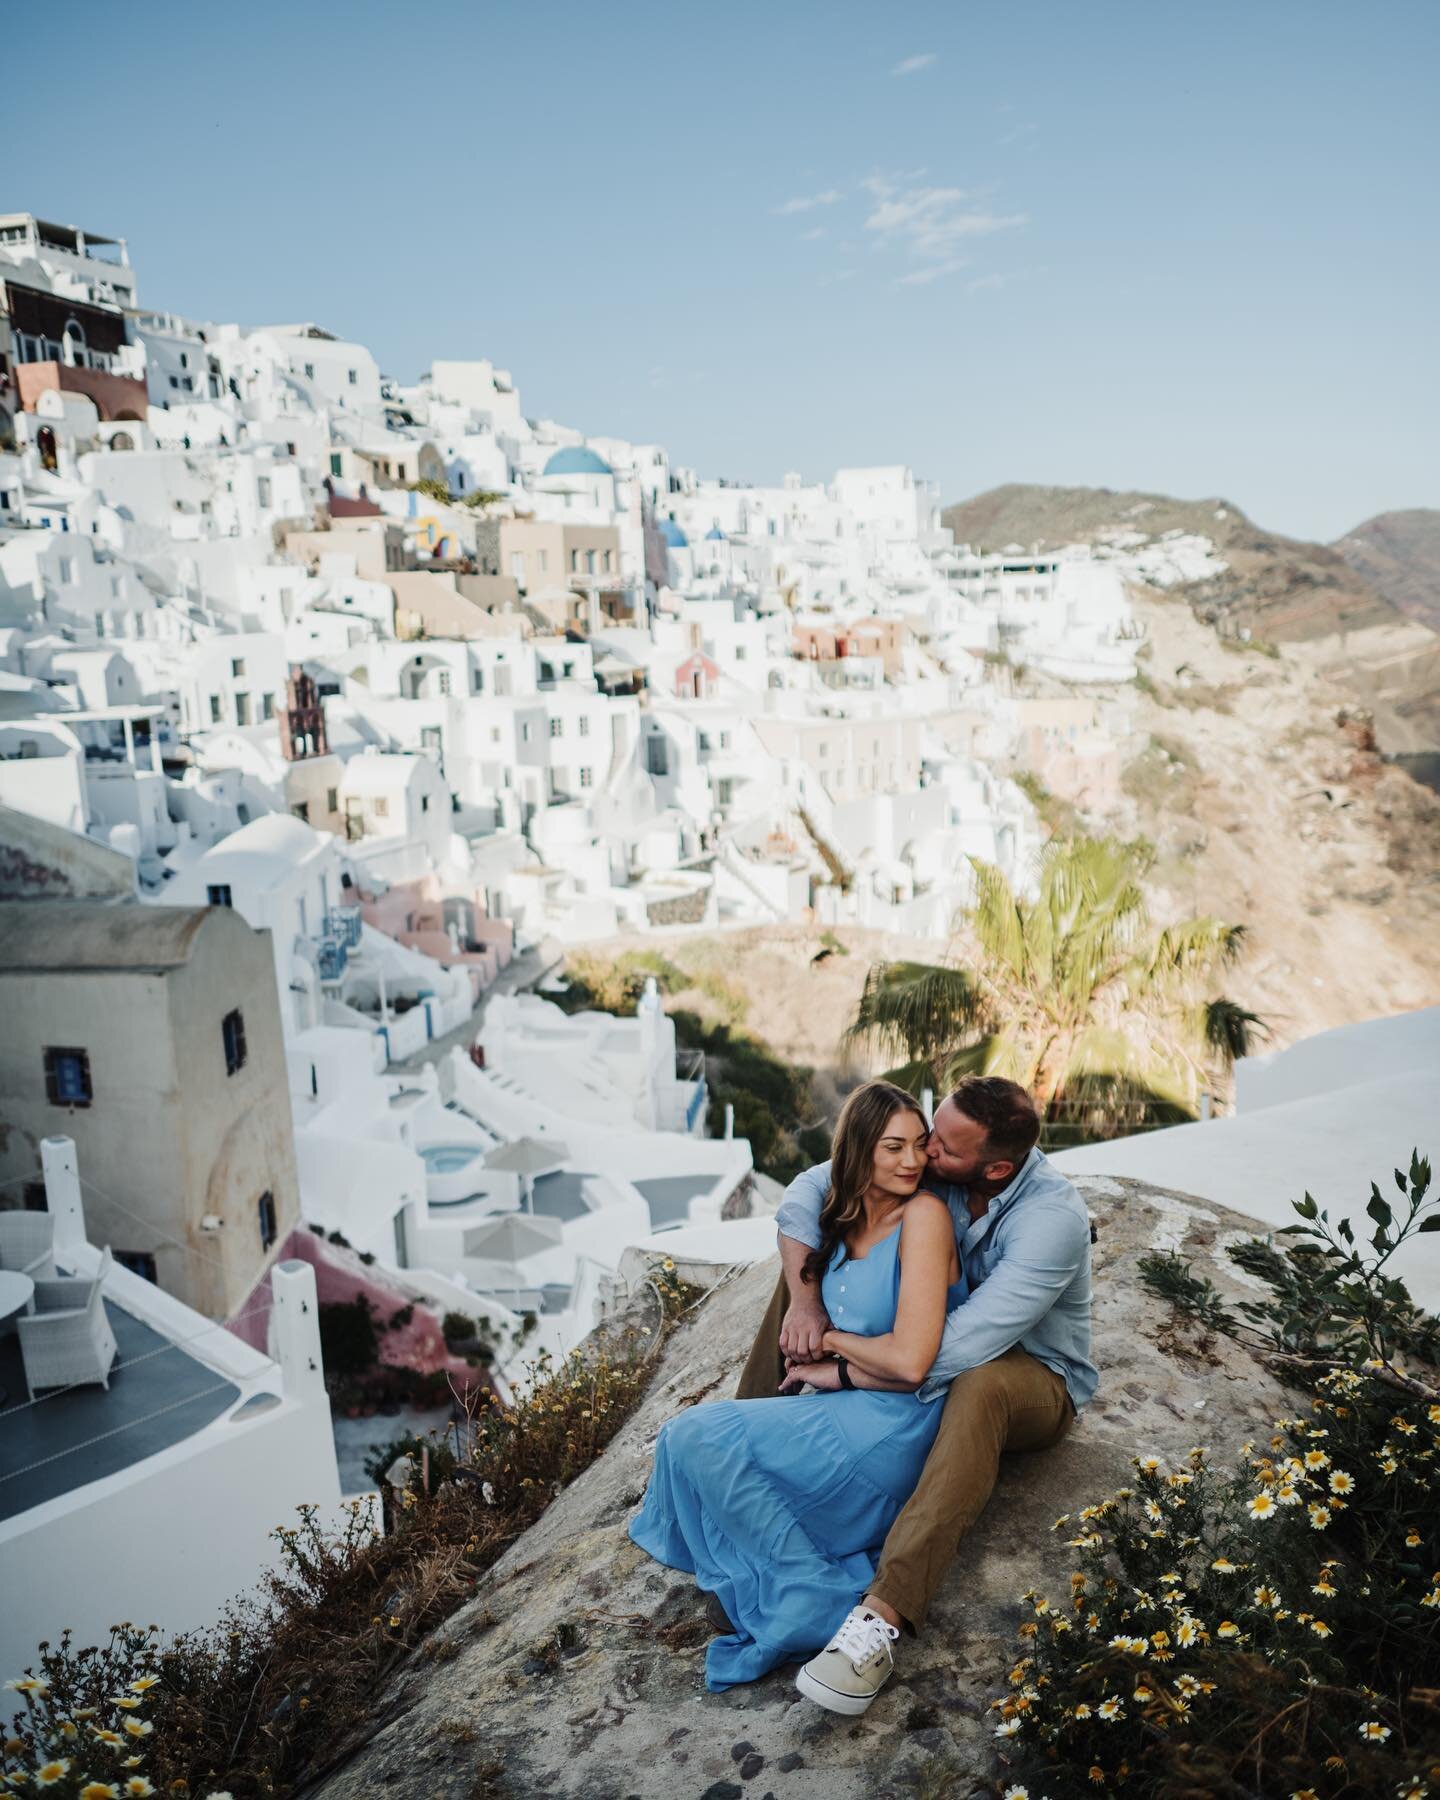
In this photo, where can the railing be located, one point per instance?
(696, 1106)
(344, 923)
(333, 955)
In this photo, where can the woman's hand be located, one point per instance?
(822, 1375)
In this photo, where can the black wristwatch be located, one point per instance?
(844, 1367)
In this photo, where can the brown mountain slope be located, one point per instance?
(1282, 589)
(1398, 553)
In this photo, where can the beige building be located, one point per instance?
(151, 1036)
(446, 605)
(377, 545)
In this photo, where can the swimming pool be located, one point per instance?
(449, 1159)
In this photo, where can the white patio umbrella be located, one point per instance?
(511, 1237)
(528, 1157)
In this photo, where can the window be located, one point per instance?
(352, 376)
(589, 562)
(424, 803)
(267, 706)
(219, 894)
(557, 728)
(232, 1033)
(309, 371)
(525, 732)
(444, 680)
(587, 778)
(724, 740)
(237, 667)
(262, 490)
(544, 556)
(335, 462)
(67, 1078)
(517, 565)
(67, 570)
(332, 800)
(704, 740)
(725, 790)
(269, 1231)
(574, 562)
(477, 681)
(741, 653)
(242, 709)
(657, 761)
(382, 806)
(301, 810)
(214, 709)
(138, 1262)
(609, 561)
(584, 726)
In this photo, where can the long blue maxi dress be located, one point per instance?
(779, 1507)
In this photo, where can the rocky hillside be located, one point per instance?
(1398, 554)
(1263, 790)
(1282, 589)
(575, 1673)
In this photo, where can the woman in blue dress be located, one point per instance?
(779, 1507)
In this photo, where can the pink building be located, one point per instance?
(451, 927)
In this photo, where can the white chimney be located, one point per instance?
(62, 1196)
(295, 1331)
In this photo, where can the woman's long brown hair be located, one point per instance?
(860, 1127)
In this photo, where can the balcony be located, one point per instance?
(343, 923)
(331, 958)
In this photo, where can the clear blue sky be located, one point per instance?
(1184, 248)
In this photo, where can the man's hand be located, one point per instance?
(822, 1375)
(803, 1330)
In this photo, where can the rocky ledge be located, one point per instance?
(575, 1673)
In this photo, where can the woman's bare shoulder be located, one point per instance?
(926, 1211)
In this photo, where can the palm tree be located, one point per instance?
(1074, 994)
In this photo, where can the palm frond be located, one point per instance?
(923, 1010)
(1231, 1030)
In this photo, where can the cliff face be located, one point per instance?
(575, 1673)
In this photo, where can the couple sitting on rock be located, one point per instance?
(924, 1264)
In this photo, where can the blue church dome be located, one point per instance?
(673, 535)
(577, 460)
(714, 535)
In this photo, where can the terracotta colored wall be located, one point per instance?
(114, 395)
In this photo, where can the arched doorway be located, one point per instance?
(122, 440)
(72, 345)
(45, 444)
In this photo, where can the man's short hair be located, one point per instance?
(1012, 1125)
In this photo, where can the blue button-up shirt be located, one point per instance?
(1026, 1262)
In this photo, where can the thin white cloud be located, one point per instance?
(929, 225)
(809, 237)
(803, 203)
(1020, 131)
(935, 272)
(912, 65)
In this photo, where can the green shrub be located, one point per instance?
(348, 1338)
(1272, 1628)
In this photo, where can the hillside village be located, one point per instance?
(336, 711)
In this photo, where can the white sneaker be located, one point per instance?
(853, 1667)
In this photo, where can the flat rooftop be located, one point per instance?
(70, 1439)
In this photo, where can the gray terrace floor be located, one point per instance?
(73, 1438)
(561, 1194)
(669, 1196)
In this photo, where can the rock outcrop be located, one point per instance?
(575, 1673)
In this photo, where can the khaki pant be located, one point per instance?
(1013, 1403)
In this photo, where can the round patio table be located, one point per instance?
(16, 1293)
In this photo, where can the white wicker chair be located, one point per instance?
(27, 1244)
(67, 1340)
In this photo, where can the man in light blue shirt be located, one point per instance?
(1013, 1366)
